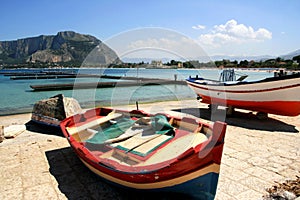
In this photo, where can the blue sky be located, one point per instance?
(220, 27)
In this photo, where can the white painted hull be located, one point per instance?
(278, 95)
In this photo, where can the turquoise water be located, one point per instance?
(17, 96)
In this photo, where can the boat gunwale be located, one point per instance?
(228, 84)
(225, 89)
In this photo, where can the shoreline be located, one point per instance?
(90, 105)
(184, 103)
(184, 106)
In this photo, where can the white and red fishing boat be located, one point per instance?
(277, 95)
(149, 152)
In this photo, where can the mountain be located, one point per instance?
(240, 58)
(64, 47)
(290, 56)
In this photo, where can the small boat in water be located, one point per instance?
(276, 95)
(147, 152)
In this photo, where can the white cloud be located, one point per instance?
(233, 33)
(180, 46)
(168, 43)
(161, 43)
(156, 43)
(198, 27)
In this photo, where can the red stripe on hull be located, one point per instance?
(183, 167)
(286, 108)
(225, 89)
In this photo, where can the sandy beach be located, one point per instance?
(39, 164)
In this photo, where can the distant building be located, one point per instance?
(156, 63)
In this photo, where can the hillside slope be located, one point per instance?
(64, 47)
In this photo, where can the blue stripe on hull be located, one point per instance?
(203, 188)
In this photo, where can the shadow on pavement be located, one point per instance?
(76, 181)
(241, 119)
(40, 128)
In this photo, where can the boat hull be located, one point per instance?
(277, 96)
(45, 120)
(202, 186)
(199, 179)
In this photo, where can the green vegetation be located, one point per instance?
(271, 63)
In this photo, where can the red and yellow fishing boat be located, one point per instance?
(148, 152)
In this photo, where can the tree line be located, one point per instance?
(292, 64)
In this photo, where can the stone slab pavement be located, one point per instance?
(39, 164)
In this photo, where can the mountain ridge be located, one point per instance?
(64, 47)
(291, 54)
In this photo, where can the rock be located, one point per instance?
(55, 109)
(14, 130)
(289, 195)
(52, 107)
(71, 106)
(288, 190)
(1, 133)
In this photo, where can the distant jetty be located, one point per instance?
(126, 81)
(52, 76)
(90, 85)
(48, 75)
(130, 81)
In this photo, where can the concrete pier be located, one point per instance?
(53, 76)
(90, 85)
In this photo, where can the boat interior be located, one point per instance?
(137, 139)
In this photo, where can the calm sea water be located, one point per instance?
(18, 97)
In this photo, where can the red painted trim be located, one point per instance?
(196, 85)
(287, 108)
(177, 169)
